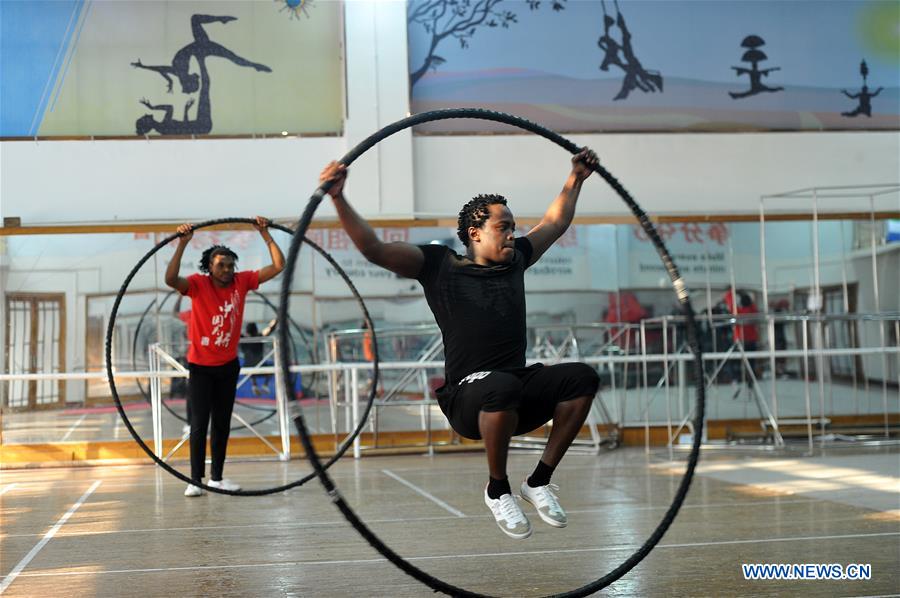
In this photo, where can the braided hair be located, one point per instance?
(208, 255)
(475, 213)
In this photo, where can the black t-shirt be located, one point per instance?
(479, 309)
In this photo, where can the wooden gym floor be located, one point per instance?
(128, 531)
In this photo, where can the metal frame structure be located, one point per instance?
(814, 194)
(768, 412)
(159, 356)
(611, 355)
(417, 377)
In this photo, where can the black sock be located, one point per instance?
(497, 488)
(541, 475)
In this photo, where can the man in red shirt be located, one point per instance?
(217, 311)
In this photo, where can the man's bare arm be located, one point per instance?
(403, 259)
(559, 215)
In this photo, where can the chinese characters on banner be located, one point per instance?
(700, 250)
(368, 278)
(561, 268)
(689, 232)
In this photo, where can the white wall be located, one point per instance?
(665, 173)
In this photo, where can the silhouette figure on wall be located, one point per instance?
(201, 48)
(169, 126)
(636, 77)
(864, 96)
(754, 56)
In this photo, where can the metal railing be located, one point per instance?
(647, 359)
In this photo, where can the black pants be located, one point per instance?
(211, 396)
(533, 392)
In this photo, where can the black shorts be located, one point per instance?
(532, 391)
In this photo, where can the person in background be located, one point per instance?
(368, 349)
(780, 308)
(745, 332)
(253, 356)
(217, 310)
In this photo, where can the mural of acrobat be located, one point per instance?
(636, 76)
(200, 49)
(863, 97)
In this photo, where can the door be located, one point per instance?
(35, 343)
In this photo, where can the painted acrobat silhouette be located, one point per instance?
(201, 48)
(201, 125)
(864, 96)
(865, 101)
(754, 56)
(169, 126)
(610, 46)
(636, 76)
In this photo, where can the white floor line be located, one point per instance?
(72, 429)
(724, 505)
(172, 480)
(47, 537)
(219, 528)
(320, 523)
(430, 497)
(7, 489)
(454, 556)
(762, 541)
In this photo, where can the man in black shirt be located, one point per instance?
(478, 301)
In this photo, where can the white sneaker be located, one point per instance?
(224, 484)
(508, 515)
(192, 490)
(546, 503)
